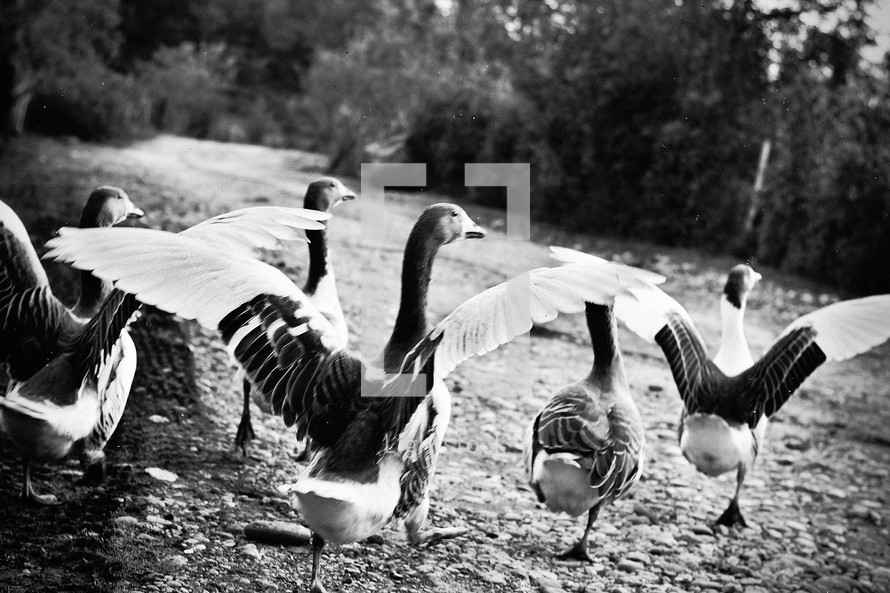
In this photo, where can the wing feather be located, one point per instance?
(848, 328)
(507, 310)
(179, 274)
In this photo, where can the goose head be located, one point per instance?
(326, 193)
(107, 206)
(739, 284)
(447, 223)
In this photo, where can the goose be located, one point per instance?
(584, 448)
(51, 351)
(71, 369)
(729, 399)
(320, 288)
(376, 426)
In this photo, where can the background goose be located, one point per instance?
(69, 377)
(728, 399)
(320, 288)
(373, 456)
(71, 370)
(584, 449)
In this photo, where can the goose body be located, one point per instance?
(729, 399)
(375, 427)
(584, 449)
(320, 288)
(68, 394)
(63, 394)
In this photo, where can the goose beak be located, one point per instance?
(135, 212)
(757, 276)
(346, 195)
(471, 230)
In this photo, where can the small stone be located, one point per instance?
(250, 550)
(125, 521)
(178, 560)
(646, 511)
(161, 474)
(639, 557)
(629, 566)
(277, 533)
(702, 530)
(495, 578)
(158, 419)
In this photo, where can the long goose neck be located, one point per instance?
(604, 337)
(734, 356)
(417, 265)
(93, 291)
(318, 259)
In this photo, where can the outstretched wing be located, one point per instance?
(287, 348)
(249, 230)
(656, 317)
(499, 314)
(835, 332)
(32, 319)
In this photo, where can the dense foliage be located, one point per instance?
(640, 117)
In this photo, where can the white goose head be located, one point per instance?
(739, 285)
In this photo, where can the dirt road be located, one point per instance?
(816, 502)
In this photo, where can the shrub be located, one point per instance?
(96, 104)
(187, 85)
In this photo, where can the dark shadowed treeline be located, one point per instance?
(641, 117)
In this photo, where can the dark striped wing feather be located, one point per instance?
(32, 320)
(610, 438)
(310, 384)
(688, 360)
(94, 342)
(418, 470)
(776, 376)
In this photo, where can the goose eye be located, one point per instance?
(453, 213)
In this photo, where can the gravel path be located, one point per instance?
(816, 501)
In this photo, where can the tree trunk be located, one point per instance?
(17, 78)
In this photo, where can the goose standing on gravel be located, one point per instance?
(375, 437)
(71, 369)
(70, 372)
(729, 399)
(584, 449)
(320, 288)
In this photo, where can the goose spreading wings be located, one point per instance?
(375, 432)
(729, 399)
(71, 369)
(320, 287)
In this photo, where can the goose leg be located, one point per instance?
(317, 545)
(94, 465)
(732, 516)
(418, 536)
(28, 494)
(579, 550)
(245, 432)
(302, 450)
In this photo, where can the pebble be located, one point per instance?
(161, 474)
(178, 560)
(639, 557)
(125, 521)
(250, 550)
(631, 566)
(280, 533)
